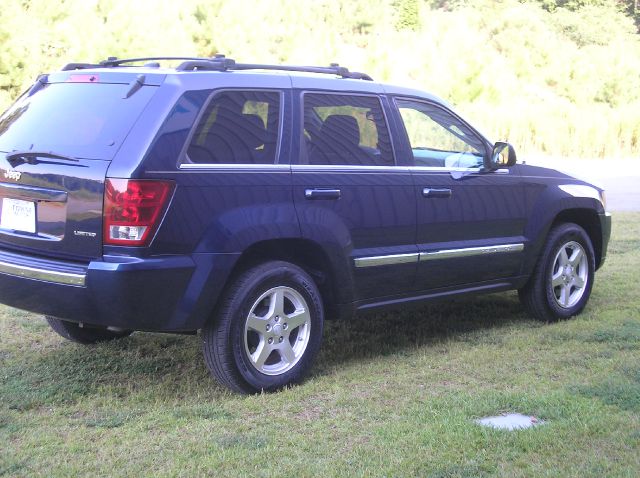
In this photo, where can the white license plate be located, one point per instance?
(18, 215)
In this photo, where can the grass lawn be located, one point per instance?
(391, 395)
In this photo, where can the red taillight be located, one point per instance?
(133, 209)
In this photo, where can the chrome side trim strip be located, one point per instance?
(22, 190)
(42, 274)
(347, 168)
(470, 251)
(452, 169)
(442, 169)
(237, 167)
(386, 260)
(393, 259)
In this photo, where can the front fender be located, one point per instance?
(564, 201)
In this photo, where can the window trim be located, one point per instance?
(183, 164)
(348, 168)
(479, 136)
(377, 97)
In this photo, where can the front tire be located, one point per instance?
(84, 335)
(563, 278)
(267, 331)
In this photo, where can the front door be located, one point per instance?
(469, 222)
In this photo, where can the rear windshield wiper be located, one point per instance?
(33, 157)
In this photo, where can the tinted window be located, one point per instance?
(86, 120)
(345, 129)
(238, 127)
(438, 138)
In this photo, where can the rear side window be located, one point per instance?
(84, 120)
(237, 127)
(345, 130)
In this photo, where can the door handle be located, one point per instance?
(436, 192)
(322, 193)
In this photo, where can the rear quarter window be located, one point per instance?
(237, 127)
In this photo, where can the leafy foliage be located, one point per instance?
(553, 76)
(407, 14)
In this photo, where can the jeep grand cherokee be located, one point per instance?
(252, 202)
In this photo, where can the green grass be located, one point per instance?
(391, 395)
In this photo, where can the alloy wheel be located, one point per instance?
(277, 330)
(569, 275)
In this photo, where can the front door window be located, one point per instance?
(439, 139)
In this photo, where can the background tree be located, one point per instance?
(555, 77)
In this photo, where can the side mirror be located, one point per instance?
(502, 156)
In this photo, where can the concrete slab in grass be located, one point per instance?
(511, 421)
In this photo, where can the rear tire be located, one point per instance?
(84, 335)
(562, 280)
(267, 330)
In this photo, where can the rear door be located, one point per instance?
(56, 143)
(350, 194)
(470, 223)
(232, 190)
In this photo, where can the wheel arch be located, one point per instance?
(588, 220)
(331, 276)
(585, 217)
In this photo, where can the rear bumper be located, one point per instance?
(605, 227)
(42, 269)
(155, 294)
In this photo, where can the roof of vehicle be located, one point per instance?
(192, 70)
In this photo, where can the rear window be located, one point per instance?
(343, 129)
(84, 120)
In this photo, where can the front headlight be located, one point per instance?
(585, 191)
(603, 199)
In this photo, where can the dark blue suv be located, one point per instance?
(251, 202)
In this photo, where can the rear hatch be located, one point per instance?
(56, 144)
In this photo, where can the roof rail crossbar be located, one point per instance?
(79, 66)
(221, 63)
(208, 64)
(334, 69)
(225, 64)
(113, 61)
